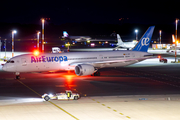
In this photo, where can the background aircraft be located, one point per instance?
(128, 45)
(76, 38)
(172, 48)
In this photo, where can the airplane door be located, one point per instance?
(23, 61)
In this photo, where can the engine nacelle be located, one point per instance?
(84, 69)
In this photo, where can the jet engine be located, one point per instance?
(84, 69)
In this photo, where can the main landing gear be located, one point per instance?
(96, 73)
(17, 76)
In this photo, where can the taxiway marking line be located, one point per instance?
(109, 107)
(115, 110)
(121, 113)
(63, 110)
(49, 101)
(29, 88)
(128, 117)
(103, 104)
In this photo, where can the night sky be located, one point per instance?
(96, 11)
(88, 17)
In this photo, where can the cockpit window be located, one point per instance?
(10, 61)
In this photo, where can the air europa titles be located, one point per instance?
(36, 59)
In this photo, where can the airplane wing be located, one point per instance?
(106, 63)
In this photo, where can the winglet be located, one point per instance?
(144, 42)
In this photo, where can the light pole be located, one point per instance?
(43, 35)
(176, 38)
(5, 47)
(13, 32)
(160, 37)
(0, 46)
(176, 27)
(38, 40)
(136, 31)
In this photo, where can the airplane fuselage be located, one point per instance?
(127, 44)
(67, 61)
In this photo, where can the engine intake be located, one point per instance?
(84, 69)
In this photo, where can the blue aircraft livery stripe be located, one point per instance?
(36, 59)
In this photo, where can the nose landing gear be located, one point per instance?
(17, 76)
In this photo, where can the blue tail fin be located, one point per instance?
(144, 42)
(65, 34)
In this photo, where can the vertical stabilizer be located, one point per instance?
(144, 42)
(65, 34)
(120, 42)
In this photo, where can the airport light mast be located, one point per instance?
(5, 47)
(43, 34)
(176, 39)
(136, 31)
(0, 46)
(13, 32)
(176, 27)
(160, 37)
(38, 40)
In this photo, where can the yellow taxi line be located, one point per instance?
(110, 108)
(49, 101)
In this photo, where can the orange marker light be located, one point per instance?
(159, 56)
(36, 52)
(177, 42)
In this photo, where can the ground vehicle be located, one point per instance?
(61, 96)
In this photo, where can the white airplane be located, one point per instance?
(171, 50)
(128, 45)
(76, 38)
(83, 63)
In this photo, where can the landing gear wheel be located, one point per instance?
(97, 74)
(46, 98)
(17, 77)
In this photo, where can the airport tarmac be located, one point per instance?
(148, 90)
